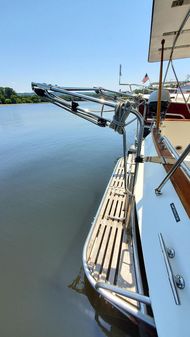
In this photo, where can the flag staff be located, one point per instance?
(120, 74)
(160, 87)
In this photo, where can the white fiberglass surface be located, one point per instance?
(155, 216)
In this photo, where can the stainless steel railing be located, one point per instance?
(176, 155)
(117, 100)
(173, 169)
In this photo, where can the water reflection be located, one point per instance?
(78, 284)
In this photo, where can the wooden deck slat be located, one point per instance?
(96, 245)
(115, 211)
(99, 262)
(114, 261)
(92, 240)
(105, 268)
(126, 272)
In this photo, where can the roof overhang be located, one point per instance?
(167, 18)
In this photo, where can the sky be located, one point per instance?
(77, 43)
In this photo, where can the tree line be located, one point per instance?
(9, 96)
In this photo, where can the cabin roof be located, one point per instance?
(167, 18)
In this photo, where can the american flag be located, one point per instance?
(145, 78)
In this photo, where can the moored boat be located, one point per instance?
(136, 253)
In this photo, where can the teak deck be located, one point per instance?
(109, 254)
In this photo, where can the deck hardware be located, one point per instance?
(139, 159)
(179, 280)
(132, 150)
(102, 122)
(160, 141)
(39, 92)
(74, 106)
(175, 212)
(163, 146)
(171, 277)
(158, 192)
(171, 253)
(173, 169)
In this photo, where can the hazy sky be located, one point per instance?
(76, 42)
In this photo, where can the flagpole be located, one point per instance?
(120, 74)
(160, 87)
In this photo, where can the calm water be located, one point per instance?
(54, 169)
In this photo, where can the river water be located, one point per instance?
(53, 172)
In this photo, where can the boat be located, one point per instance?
(136, 253)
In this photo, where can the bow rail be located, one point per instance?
(123, 104)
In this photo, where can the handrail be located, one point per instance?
(122, 110)
(125, 307)
(136, 256)
(175, 115)
(173, 169)
(124, 292)
(43, 87)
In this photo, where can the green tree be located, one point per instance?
(8, 96)
(2, 98)
(8, 101)
(13, 99)
(8, 92)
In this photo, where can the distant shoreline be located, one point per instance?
(9, 104)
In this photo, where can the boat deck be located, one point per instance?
(161, 229)
(109, 254)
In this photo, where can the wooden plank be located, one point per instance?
(101, 254)
(116, 242)
(96, 245)
(118, 175)
(107, 260)
(115, 211)
(105, 207)
(126, 273)
(114, 262)
(108, 200)
(92, 239)
(115, 205)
